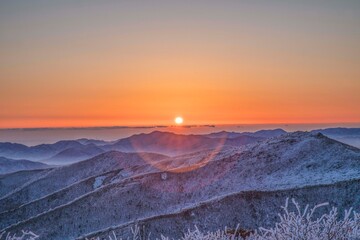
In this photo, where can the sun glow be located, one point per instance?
(179, 120)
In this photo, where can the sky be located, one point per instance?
(106, 63)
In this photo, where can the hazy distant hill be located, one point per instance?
(64, 152)
(172, 144)
(69, 151)
(74, 154)
(97, 142)
(9, 165)
(346, 135)
(260, 134)
(239, 184)
(338, 131)
(38, 152)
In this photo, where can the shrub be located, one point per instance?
(293, 225)
(26, 235)
(300, 225)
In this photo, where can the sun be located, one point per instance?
(179, 120)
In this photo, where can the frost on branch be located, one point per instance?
(25, 235)
(294, 225)
(300, 225)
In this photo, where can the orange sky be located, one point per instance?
(225, 62)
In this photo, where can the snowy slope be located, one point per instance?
(64, 176)
(290, 161)
(12, 181)
(249, 209)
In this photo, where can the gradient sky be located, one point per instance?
(88, 63)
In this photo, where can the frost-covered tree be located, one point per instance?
(293, 225)
(25, 235)
(301, 225)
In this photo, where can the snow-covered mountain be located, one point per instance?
(209, 188)
(65, 152)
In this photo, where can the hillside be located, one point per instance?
(74, 195)
(62, 177)
(249, 209)
(12, 181)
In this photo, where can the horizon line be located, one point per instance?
(167, 126)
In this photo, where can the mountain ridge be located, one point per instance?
(8, 165)
(289, 161)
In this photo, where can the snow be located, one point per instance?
(298, 224)
(98, 181)
(133, 190)
(164, 176)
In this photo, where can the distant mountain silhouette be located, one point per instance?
(349, 136)
(261, 134)
(97, 142)
(172, 144)
(338, 131)
(9, 165)
(38, 152)
(74, 154)
(167, 143)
